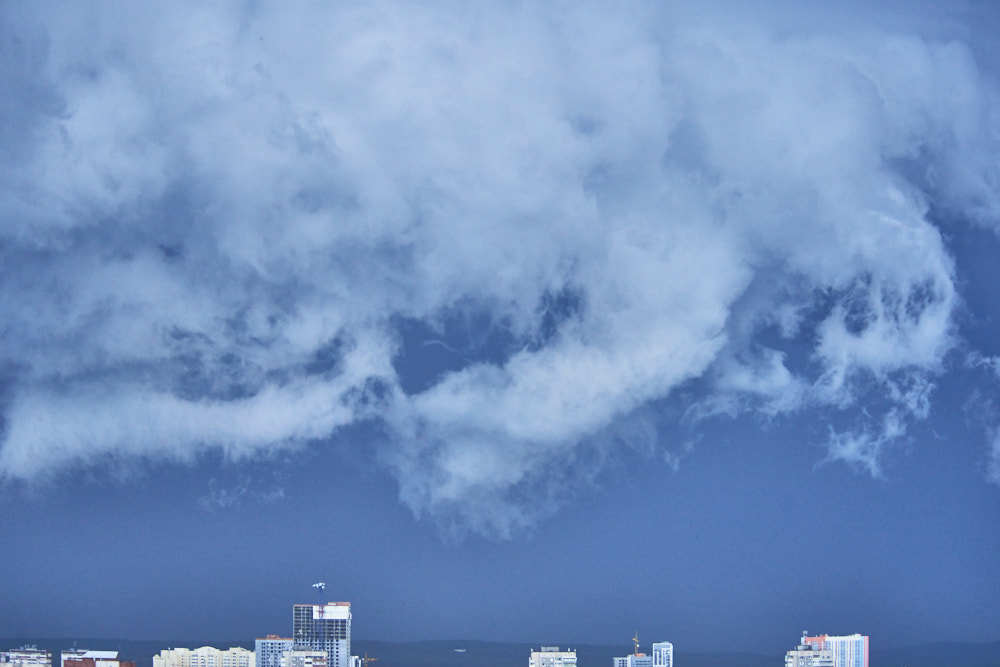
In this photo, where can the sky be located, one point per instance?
(512, 321)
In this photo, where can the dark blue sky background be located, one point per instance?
(735, 544)
(525, 324)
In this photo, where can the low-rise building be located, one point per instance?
(634, 660)
(551, 656)
(268, 650)
(205, 656)
(301, 658)
(79, 657)
(808, 655)
(26, 656)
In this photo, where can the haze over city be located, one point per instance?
(544, 323)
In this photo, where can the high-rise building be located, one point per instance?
(324, 627)
(663, 654)
(847, 650)
(26, 656)
(551, 656)
(84, 658)
(268, 650)
(634, 660)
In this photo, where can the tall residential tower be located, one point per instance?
(324, 627)
(846, 650)
(663, 654)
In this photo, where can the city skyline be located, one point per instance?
(322, 634)
(525, 323)
(823, 650)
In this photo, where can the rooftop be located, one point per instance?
(84, 653)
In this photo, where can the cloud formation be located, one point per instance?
(216, 220)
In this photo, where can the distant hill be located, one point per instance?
(441, 653)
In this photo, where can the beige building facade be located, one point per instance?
(206, 656)
(551, 656)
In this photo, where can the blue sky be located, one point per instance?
(537, 323)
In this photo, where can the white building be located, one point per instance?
(324, 627)
(634, 660)
(26, 656)
(299, 658)
(268, 650)
(79, 657)
(663, 654)
(806, 655)
(846, 650)
(205, 656)
(551, 656)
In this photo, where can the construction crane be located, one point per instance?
(635, 640)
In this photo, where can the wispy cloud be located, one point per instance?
(862, 448)
(220, 496)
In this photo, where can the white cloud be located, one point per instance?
(222, 206)
(981, 412)
(223, 497)
(993, 463)
(862, 448)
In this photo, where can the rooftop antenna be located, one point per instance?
(635, 640)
